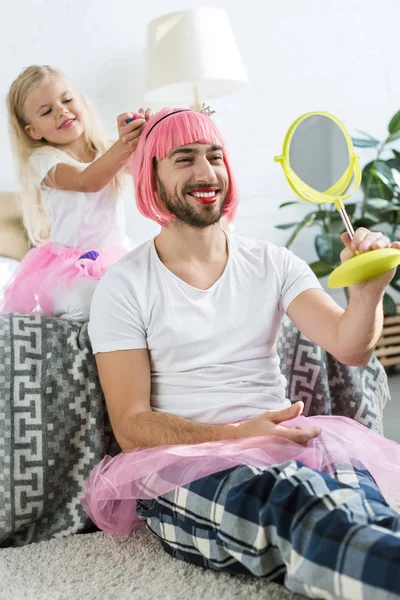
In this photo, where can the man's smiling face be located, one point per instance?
(193, 183)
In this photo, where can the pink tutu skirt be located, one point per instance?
(51, 267)
(114, 485)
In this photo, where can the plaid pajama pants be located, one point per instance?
(320, 536)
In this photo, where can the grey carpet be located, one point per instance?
(99, 566)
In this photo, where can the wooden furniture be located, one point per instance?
(388, 347)
(13, 238)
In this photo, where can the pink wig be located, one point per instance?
(162, 134)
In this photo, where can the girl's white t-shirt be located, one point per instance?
(212, 352)
(78, 219)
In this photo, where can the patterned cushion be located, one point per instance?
(54, 428)
(326, 386)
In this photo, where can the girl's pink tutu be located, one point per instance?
(51, 267)
(114, 485)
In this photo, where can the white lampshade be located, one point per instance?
(192, 49)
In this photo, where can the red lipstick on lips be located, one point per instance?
(209, 200)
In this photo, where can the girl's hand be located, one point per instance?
(365, 240)
(147, 113)
(129, 133)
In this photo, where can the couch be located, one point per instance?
(54, 426)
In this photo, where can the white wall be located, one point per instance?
(342, 56)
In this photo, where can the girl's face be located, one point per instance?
(53, 113)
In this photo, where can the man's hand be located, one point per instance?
(129, 133)
(268, 424)
(364, 241)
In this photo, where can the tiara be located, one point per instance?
(206, 110)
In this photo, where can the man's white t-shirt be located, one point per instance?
(78, 219)
(212, 352)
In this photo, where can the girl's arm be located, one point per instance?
(126, 132)
(96, 176)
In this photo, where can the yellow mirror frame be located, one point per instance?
(362, 266)
(335, 193)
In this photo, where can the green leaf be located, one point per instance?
(367, 135)
(337, 227)
(391, 237)
(350, 209)
(320, 268)
(396, 153)
(373, 187)
(383, 172)
(363, 222)
(306, 222)
(380, 205)
(378, 211)
(336, 224)
(393, 163)
(328, 248)
(392, 137)
(319, 216)
(394, 124)
(286, 225)
(371, 218)
(396, 278)
(396, 177)
(289, 203)
(361, 143)
(375, 217)
(389, 305)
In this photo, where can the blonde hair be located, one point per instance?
(35, 218)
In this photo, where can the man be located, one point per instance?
(184, 332)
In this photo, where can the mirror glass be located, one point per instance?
(318, 152)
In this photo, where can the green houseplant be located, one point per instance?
(379, 208)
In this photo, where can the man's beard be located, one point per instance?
(185, 213)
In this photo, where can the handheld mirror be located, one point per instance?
(320, 165)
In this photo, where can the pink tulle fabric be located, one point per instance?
(116, 483)
(51, 267)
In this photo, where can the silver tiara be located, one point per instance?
(206, 110)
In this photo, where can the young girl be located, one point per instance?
(71, 182)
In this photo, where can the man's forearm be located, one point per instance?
(359, 328)
(149, 429)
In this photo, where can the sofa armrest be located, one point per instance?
(328, 387)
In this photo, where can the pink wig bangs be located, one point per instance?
(179, 129)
